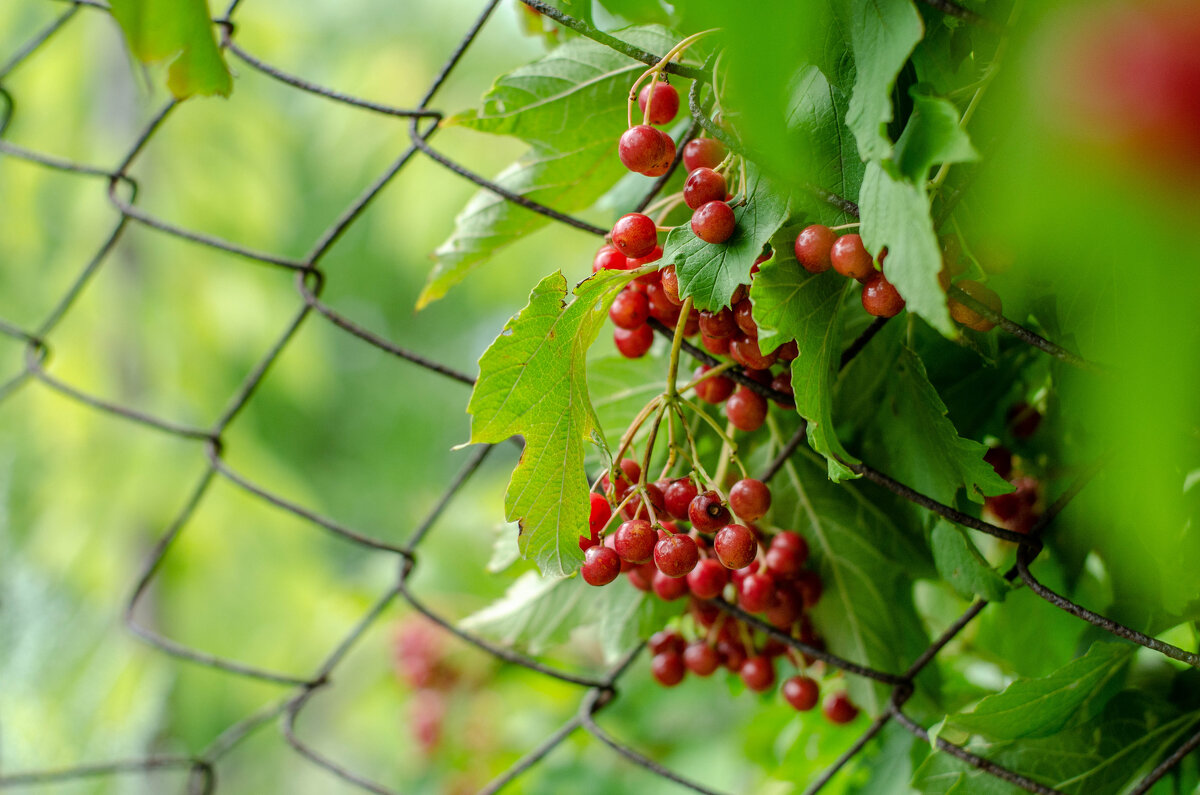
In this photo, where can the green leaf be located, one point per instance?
(538, 613)
(932, 135)
(1041, 707)
(867, 564)
(882, 34)
(791, 303)
(823, 144)
(178, 31)
(709, 273)
(505, 551)
(1098, 758)
(895, 214)
(960, 564)
(533, 382)
(620, 387)
(918, 443)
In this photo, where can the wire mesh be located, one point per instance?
(598, 692)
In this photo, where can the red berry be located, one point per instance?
(801, 692)
(634, 509)
(808, 585)
(743, 316)
(746, 410)
(600, 513)
(665, 158)
(676, 555)
(758, 673)
(786, 610)
(670, 282)
(703, 186)
(600, 565)
(708, 579)
(850, 257)
(708, 513)
(880, 298)
(717, 346)
(788, 351)
(642, 577)
(968, 316)
(678, 496)
(635, 235)
(634, 541)
(668, 588)
(750, 499)
(733, 654)
(633, 343)
(629, 310)
(703, 153)
(608, 258)
(641, 148)
(668, 669)
(713, 390)
(735, 546)
(666, 641)
(713, 222)
(745, 351)
(838, 708)
(783, 383)
(1023, 420)
(1001, 460)
(756, 593)
(813, 248)
(700, 658)
(665, 104)
(785, 562)
(719, 324)
(662, 308)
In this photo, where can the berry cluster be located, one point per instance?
(819, 248)
(421, 663)
(723, 556)
(1018, 510)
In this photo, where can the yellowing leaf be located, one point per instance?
(178, 31)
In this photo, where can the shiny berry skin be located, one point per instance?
(880, 298)
(850, 257)
(666, 156)
(668, 668)
(718, 324)
(713, 390)
(600, 513)
(608, 258)
(838, 708)
(703, 186)
(758, 673)
(732, 654)
(661, 307)
(713, 222)
(670, 283)
(707, 512)
(745, 351)
(600, 565)
(634, 508)
(717, 346)
(813, 246)
(788, 539)
(968, 316)
(735, 546)
(633, 343)
(703, 153)
(678, 496)
(666, 641)
(788, 351)
(746, 410)
(665, 105)
(700, 658)
(756, 593)
(676, 555)
(641, 148)
(668, 588)
(784, 560)
(749, 499)
(634, 235)
(708, 579)
(634, 541)
(801, 692)
(743, 316)
(629, 310)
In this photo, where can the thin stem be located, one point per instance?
(676, 346)
(720, 368)
(845, 226)
(654, 71)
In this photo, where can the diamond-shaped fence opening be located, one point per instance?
(225, 477)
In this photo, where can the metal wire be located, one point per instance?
(599, 692)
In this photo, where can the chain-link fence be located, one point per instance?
(597, 692)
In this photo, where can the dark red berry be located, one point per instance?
(784, 561)
(783, 383)
(703, 186)
(707, 512)
(788, 351)
(670, 284)
(715, 389)
(714, 222)
(608, 258)
(666, 641)
(703, 153)
(750, 499)
(850, 257)
(600, 565)
(634, 541)
(676, 555)
(1023, 420)
(633, 343)
(700, 658)
(758, 673)
(790, 540)
(757, 592)
(635, 235)
(1001, 460)
(719, 324)
(662, 308)
(745, 351)
(642, 577)
(838, 708)
(678, 496)
(717, 346)
(808, 585)
(629, 310)
(801, 692)
(746, 410)
(743, 315)
(787, 608)
(666, 156)
(735, 546)
(708, 579)
(733, 654)
(641, 148)
(668, 588)
(668, 668)
(705, 613)
(813, 248)
(634, 509)
(665, 104)
(880, 298)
